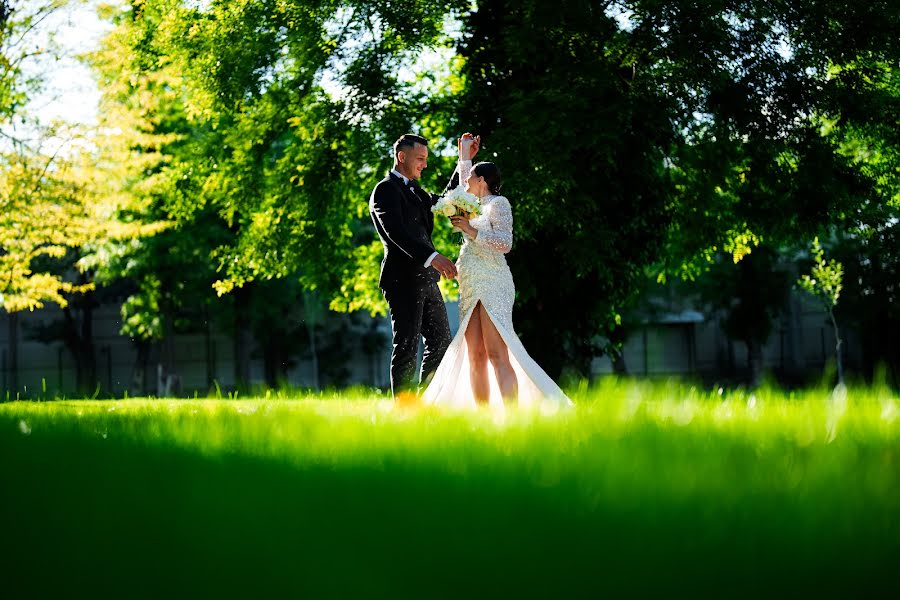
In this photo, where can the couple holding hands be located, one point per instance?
(485, 363)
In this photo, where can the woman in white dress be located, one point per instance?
(486, 363)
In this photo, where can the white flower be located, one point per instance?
(462, 202)
(442, 207)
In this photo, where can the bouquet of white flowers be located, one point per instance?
(458, 202)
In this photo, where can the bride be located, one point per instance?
(486, 294)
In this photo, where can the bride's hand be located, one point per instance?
(462, 222)
(468, 146)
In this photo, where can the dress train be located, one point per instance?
(451, 385)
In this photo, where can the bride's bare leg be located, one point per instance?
(478, 358)
(499, 356)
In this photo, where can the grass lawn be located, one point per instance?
(642, 489)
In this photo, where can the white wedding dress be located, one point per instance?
(485, 276)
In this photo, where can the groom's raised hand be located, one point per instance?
(444, 266)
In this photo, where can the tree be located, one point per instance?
(626, 125)
(263, 163)
(870, 307)
(754, 82)
(750, 293)
(41, 215)
(581, 135)
(150, 155)
(296, 161)
(825, 284)
(54, 201)
(633, 135)
(785, 129)
(867, 240)
(43, 210)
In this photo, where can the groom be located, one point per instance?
(401, 212)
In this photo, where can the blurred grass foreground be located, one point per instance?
(642, 489)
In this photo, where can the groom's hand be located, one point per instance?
(444, 266)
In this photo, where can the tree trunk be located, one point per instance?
(87, 345)
(12, 383)
(837, 348)
(311, 332)
(274, 363)
(618, 363)
(209, 350)
(617, 350)
(168, 382)
(754, 361)
(242, 337)
(139, 370)
(4, 15)
(312, 317)
(79, 341)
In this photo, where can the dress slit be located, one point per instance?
(452, 385)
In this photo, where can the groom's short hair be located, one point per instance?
(407, 141)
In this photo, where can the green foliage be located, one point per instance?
(655, 135)
(157, 156)
(825, 280)
(825, 284)
(769, 95)
(866, 133)
(636, 490)
(18, 19)
(580, 136)
(788, 117)
(870, 255)
(42, 214)
(636, 138)
(55, 203)
(42, 210)
(292, 158)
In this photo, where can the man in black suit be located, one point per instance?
(401, 212)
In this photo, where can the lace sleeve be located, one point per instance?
(499, 237)
(464, 168)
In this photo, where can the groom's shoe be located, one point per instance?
(407, 399)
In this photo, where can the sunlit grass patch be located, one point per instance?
(350, 495)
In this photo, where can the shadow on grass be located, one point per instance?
(121, 518)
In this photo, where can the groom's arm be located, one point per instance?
(387, 210)
(467, 154)
(451, 185)
(454, 181)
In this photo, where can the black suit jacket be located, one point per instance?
(405, 223)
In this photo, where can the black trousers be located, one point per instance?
(416, 311)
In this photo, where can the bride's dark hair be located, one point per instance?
(491, 174)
